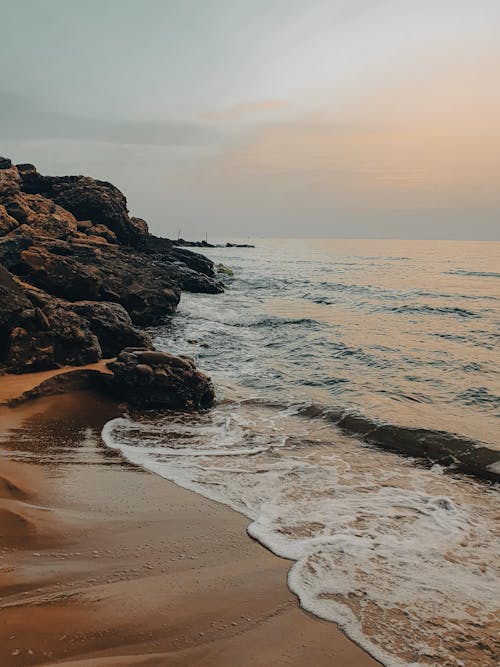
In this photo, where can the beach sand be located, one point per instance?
(104, 564)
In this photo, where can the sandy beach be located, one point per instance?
(105, 564)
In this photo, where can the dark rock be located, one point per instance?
(193, 260)
(102, 231)
(12, 303)
(11, 248)
(112, 325)
(67, 341)
(153, 379)
(5, 163)
(7, 222)
(140, 226)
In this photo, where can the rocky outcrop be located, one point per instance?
(87, 199)
(151, 379)
(79, 275)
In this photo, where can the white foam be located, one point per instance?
(402, 558)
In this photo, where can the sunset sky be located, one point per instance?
(338, 118)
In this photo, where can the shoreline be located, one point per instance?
(118, 566)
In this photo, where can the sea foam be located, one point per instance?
(403, 558)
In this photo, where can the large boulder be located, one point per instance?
(112, 325)
(87, 199)
(151, 379)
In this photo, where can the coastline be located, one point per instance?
(120, 567)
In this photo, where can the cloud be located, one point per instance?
(238, 110)
(24, 119)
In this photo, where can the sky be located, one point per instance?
(248, 118)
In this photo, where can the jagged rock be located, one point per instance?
(36, 339)
(58, 339)
(10, 184)
(59, 275)
(87, 199)
(11, 248)
(42, 215)
(103, 273)
(112, 325)
(192, 281)
(83, 271)
(193, 260)
(150, 379)
(103, 232)
(12, 303)
(140, 225)
(7, 222)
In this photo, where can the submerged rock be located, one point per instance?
(152, 379)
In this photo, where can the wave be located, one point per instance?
(386, 550)
(442, 447)
(431, 310)
(476, 274)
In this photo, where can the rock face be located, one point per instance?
(34, 338)
(87, 199)
(112, 325)
(151, 379)
(78, 274)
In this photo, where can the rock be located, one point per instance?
(102, 231)
(192, 281)
(225, 270)
(67, 341)
(193, 260)
(152, 379)
(140, 225)
(112, 325)
(12, 303)
(87, 199)
(83, 273)
(83, 225)
(77, 272)
(42, 215)
(7, 222)
(11, 248)
(63, 382)
(10, 184)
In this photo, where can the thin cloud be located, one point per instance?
(238, 110)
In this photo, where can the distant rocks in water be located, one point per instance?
(205, 244)
(152, 379)
(78, 274)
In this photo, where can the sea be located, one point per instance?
(401, 553)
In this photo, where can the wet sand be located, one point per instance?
(103, 564)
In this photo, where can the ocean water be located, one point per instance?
(403, 556)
